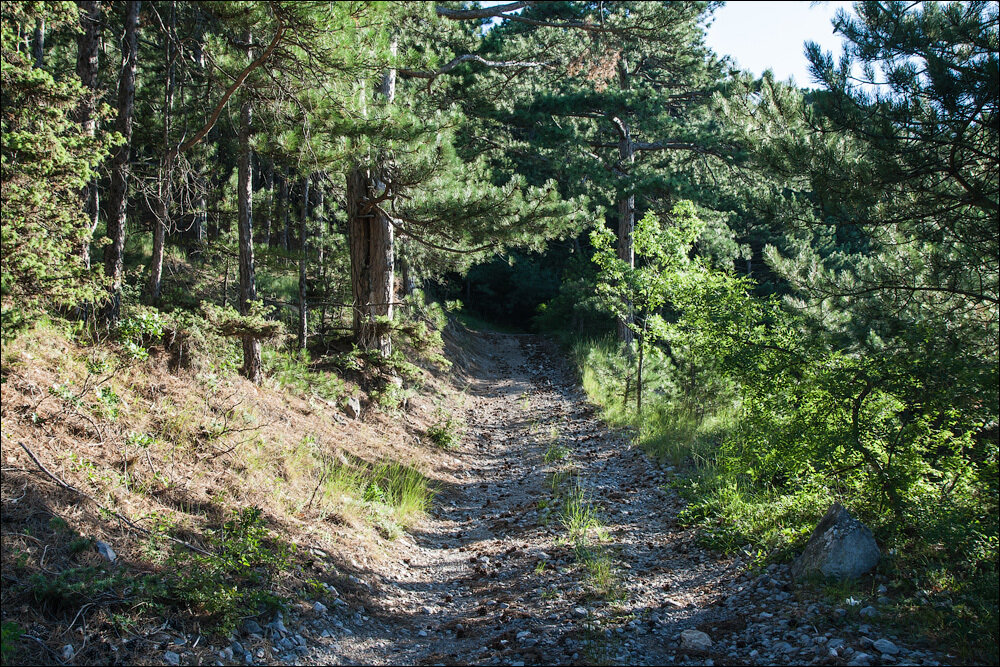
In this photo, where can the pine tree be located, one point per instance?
(48, 157)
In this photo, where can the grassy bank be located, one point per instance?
(939, 555)
(216, 499)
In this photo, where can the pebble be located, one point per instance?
(68, 652)
(869, 612)
(319, 608)
(171, 658)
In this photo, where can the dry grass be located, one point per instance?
(180, 451)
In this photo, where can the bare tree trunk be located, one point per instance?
(319, 213)
(87, 60)
(200, 212)
(38, 46)
(406, 279)
(120, 163)
(268, 204)
(162, 217)
(626, 229)
(283, 196)
(626, 205)
(303, 246)
(371, 244)
(248, 284)
(358, 233)
(638, 376)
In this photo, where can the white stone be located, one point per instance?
(353, 407)
(105, 550)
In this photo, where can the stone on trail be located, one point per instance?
(885, 646)
(695, 640)
(171, 658)
(841, 547)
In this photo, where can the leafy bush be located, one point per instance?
(447, 431)
(140, 329)
(236, 580)
(10, 635)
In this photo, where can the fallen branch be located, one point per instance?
(117, 515)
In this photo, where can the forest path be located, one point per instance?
(493, 576)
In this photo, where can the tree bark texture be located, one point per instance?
(200, 215)
(626, 203)
(120, 162)
(87, 61)
(626, 228)
(269, 206)
(371, 241)
(248, 284)
(304, 249)
(38, 46)
(162, 217)
(283, 196)
(371, 244)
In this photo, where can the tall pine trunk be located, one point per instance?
(248, 282)
(200, 214)
(269, 204)
(303, 256)
(117, 206)
(87, 61)
(162, 217)
(626, 252)
(371, 245)
(626, 205)
(38, 45)
(283, 195)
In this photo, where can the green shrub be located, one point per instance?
(236, 580)
(10, 636)
(447, 431)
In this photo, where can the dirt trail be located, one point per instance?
(491, 578)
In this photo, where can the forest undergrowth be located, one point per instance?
(941, 557)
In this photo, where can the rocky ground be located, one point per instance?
(496, 575)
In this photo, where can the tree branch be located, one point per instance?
(482, 13)
(468, 57)
(240, 78)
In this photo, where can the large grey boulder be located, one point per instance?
(841, 547)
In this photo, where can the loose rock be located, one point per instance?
(840, 547)
(695, 640)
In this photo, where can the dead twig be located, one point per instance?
(117, 515)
